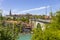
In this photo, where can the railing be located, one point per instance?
(40, 20)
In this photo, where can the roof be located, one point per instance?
(11, 21)
(27, 25)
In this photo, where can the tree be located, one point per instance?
(24, 19)
(8, 33)
(52, 32)
(39, 26)
(37, 33)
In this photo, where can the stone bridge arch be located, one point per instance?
(40, 21)
(35, 23)
(42, 25)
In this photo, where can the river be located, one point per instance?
(25, 37)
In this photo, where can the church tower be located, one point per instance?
(10, 13)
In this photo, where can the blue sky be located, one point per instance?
(29, 6)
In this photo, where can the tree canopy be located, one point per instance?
(52, 32)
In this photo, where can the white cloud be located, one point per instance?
(35, 9)
(15, 11)
(5, 12)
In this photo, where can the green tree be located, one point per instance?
(52, 31)
(8, 33)
(23, 19)
(37, 33)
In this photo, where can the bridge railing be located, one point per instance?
(40, 20)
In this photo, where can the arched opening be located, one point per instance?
(39, 25)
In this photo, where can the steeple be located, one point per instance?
(10, 13)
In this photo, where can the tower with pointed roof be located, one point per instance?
(10, 13)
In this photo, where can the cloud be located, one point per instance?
(40, 8)
(5, 12)
(16, 11)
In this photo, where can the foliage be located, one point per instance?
(23, 19)
(52, 31)
(38, 26)
(8, 32)
(37, 33)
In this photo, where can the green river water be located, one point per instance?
(25, 37)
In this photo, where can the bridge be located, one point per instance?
(40, 21)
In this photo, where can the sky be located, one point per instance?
(36, 7)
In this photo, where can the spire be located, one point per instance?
(10, 13)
